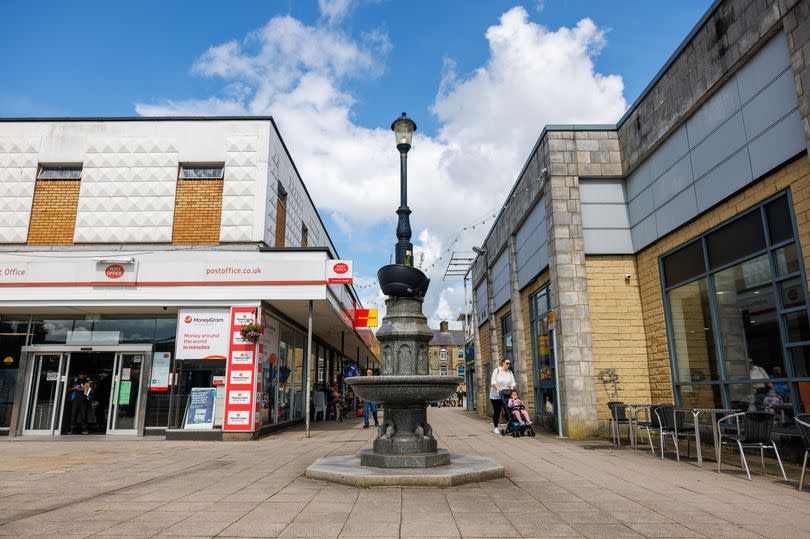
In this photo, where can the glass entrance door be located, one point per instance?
(48, 381)
(125, 402)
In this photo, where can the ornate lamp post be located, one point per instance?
(403, 127)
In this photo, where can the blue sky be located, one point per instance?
(480, 79)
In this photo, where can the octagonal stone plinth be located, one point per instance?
(462, 469)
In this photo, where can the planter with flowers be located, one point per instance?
(251, 332)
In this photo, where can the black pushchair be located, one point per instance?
(513, 426)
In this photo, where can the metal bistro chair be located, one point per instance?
(803, 423)
(618, 416)
(756, 432)
(649, 424)
(672, 424)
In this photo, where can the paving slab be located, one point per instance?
(552, 488)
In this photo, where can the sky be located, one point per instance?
(480, 78)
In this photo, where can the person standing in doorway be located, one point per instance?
(78, 404)
(369, 407)
(502, 378)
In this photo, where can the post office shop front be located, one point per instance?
(152, 356)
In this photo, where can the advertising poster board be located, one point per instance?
(200, 408)
(160, 371)
(240, 386)
(202, 333)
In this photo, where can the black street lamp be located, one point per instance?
(403, 127)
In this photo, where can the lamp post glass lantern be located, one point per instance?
(403, 128)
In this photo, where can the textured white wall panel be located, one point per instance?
(238, 193)
(18, 169)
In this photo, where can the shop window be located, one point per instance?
(13, 336)
(53, 208)
(460, 370)
(780, 228)
(443, 370)
(693, 332)
(749, 324)
(198, 204)
(742, 237)
(281, 214)
(740, 336)
(506, 336)
(684, 264)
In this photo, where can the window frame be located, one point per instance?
(776, 280)
(443, 354)
(45, 167)
(201, 166)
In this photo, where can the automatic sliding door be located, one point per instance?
(126, 392)
(46, 390)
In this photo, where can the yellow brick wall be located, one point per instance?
(530, 289)
(197, 211)
(794, 175)
(452, 361)
(53, 212)
(617, 331)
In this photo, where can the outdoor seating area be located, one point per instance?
(734, 428)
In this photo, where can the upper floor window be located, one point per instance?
(443, 353)
(460, 354)
(189, 171)
(60, 172)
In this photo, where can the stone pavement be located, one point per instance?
(142, 487)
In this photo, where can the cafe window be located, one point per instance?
(460, 370)
(736, 313)
(506, 337)
(541, 322)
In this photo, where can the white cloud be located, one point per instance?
(335, 11)
(488, 119)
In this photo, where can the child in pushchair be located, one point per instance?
(518, 421)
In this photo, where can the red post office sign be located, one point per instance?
(339, 271)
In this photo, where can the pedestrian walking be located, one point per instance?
(502, 378)
(369, 408)
(78, 404)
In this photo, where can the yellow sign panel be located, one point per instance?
(8, 359)
(366, 318)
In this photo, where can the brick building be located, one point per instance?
(662, 259)
(134, 250)
(446, 352)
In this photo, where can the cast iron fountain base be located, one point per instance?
(405, 451)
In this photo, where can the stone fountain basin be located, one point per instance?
(404, 390)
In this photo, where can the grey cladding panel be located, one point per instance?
(673, 181)
(669, 152)
(641, 206)
(729, 177)
(639, 180)
(770, 105)
(601, 191)
(728, 138)
(644, 233)
(781, 141)
(604, 216)
(608, 242)
(763, 67)
(713, 113)
(530, 242)
(500, 279)
(676, 212)
(481, 304)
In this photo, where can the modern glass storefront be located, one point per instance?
(49, 360)
(736, 314)
(543, 364)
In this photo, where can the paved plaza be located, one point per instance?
(554, 488)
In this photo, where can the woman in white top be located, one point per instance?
(502, 378)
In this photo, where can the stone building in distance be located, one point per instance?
(446, 352)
